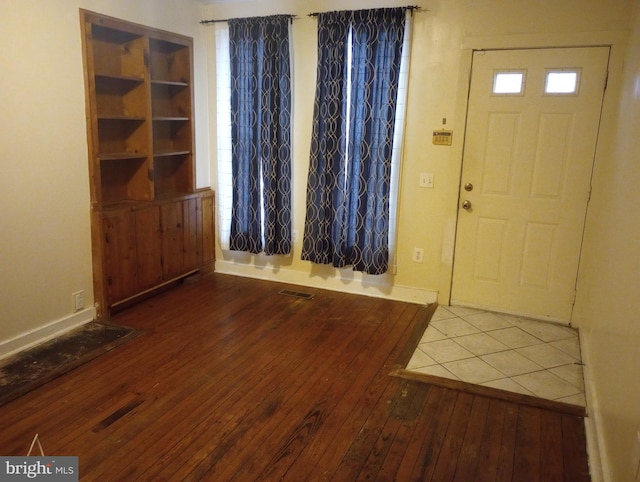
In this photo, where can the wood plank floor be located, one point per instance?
(233, 381)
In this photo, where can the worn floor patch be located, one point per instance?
(32, 368)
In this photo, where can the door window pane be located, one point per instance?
(561, 82)
(508, 82)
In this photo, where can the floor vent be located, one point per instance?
(296, 294)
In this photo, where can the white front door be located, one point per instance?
(532, 127)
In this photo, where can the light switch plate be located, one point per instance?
(426, 179)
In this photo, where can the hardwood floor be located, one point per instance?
(233, 381)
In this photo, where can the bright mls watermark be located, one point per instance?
(53, 469)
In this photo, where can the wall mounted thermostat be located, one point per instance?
(442, 137)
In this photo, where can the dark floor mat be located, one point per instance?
(31, 368)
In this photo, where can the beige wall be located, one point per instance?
(608, 304)
(445, 33)
(44, 192)
(45, 247)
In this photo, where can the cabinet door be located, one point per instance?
(149, 247)
(172, 239)
(120, 255)
(192, 233)
(208, 229)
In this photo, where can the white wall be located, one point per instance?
(608, 304)
(45, 244)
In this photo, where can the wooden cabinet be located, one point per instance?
(182, 236)
(132, 251)
(149, 223)
(120, 260)
(147, 245)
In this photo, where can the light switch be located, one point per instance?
(426, 179)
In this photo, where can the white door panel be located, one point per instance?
(526, 175)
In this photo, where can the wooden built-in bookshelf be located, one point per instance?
(140, 129)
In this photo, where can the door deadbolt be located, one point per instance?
(466, 205)
(468, 187)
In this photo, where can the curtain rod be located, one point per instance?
(413, 8)
(207, 22)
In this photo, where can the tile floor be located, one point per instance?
(502, 351)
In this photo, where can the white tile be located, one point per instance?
(514, 337)
(542, 359)
(571, 346)
(545, 355)
(508, 385)
(420, 359)
(487, 321)
(571, 373)
(442, 313)
(454, 327)
(445, 351)
(480, 344)
(432, 334)
(546, 331)
(511, 363)
(473, 370)
(545, 384)
(436, 371)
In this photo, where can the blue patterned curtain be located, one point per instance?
(347, 217)
(261, 134)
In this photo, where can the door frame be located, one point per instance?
(463, 108)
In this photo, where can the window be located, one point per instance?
(223, 126)
(561, 82)
(356, 139)
(508, 82)
(254, 134)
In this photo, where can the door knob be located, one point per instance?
(468, 187)
(466, 205)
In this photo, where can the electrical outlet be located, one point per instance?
(294, 235)
(418, 255)
(426, 179)
(78, 300)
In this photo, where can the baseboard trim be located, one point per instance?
(598, 465)
(353, 285)
(523, 314)
(46, 332)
